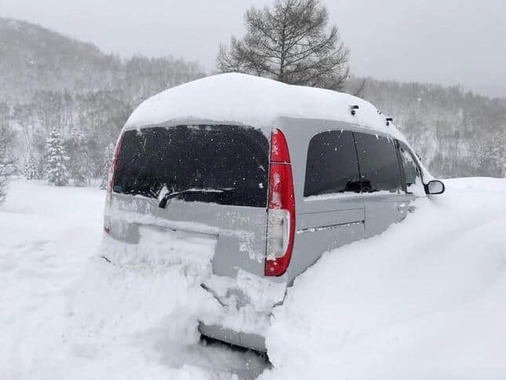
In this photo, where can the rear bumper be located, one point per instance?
(241, 315)
(242, 339)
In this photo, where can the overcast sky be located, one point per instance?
(441, 41)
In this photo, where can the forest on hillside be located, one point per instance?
(52, 84)
(456, 132)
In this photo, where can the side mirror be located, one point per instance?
(435, 187)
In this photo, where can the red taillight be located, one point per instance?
(110, 182)
(113, 165)
(279, 148)
(281, 208)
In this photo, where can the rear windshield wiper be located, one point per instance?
(175, 194)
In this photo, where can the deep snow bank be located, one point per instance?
(425, 300)
(65, 312)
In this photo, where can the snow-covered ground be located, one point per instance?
(425, 300)
(65, 313)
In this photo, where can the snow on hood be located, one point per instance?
(255, 101)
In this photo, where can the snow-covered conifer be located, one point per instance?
(7, 168)
(56, 168)
(34, 168)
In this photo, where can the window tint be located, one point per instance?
(378, 162)
(332, 165)
(219, 164)
(412, 172)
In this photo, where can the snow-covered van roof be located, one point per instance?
(249, 100)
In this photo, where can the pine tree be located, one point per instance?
(56, 157)
(34, 168)
(108, 156)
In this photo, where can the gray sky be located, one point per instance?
(441, 41)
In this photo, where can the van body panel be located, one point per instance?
(330, 218)
(383, 210)
(241, 339)
(240, 231)
(311, 244)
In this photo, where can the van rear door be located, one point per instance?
(200, 179)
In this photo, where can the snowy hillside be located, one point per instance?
(33, 58)
(425, 300)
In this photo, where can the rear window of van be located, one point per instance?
(205, 163)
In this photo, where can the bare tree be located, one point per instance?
(290, 43)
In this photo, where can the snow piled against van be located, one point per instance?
(423, 300)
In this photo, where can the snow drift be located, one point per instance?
(423, 300)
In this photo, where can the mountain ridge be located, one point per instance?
(34, 58)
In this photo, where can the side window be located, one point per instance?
(332, 165)
(412, 172)
(379, 165)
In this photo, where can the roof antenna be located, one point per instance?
(353, 109)
(389, 120)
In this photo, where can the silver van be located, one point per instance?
(274, 175)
